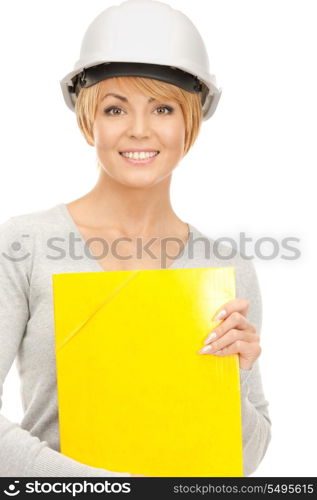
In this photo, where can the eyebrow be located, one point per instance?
(122, 98)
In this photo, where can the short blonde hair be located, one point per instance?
(190, 103)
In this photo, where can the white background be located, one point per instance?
(251, 170)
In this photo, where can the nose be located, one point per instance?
(139, 126)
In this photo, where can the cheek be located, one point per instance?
(96, 133)
(173, 137)
(104, 136)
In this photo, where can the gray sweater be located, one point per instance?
(28, 258)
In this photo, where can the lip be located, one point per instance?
(134, 150)
(146, 161)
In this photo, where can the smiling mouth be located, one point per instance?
(137, 156)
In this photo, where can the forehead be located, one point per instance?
(123, 86)
(135, 93)
(136, 90)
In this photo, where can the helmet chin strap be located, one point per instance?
(90, 76)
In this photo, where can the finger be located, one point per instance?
(228, 339)
(246, 349)
(235, 320)
(240, 305)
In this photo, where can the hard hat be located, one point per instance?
(144, 38)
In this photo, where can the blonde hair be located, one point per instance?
(190, 103)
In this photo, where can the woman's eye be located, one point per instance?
(169, 109)
(115, 110)
(107, 111)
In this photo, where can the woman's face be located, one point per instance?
(127, 120)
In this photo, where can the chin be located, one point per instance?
(142, 180)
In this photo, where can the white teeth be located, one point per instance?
(142, 155)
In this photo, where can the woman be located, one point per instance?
(142, 118)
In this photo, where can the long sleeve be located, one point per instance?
(21, 453)
(256, 423)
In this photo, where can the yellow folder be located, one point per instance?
(134, 395)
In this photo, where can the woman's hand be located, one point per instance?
(234, 335)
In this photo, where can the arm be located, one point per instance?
(256, 423)
(23, 454)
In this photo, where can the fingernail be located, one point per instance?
(205, 350)
(210, 337)
(220, 315)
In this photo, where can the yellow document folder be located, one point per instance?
(134, 395)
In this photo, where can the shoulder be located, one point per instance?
(21, 235)
(220, 254)
(37, 220)
(33, 225)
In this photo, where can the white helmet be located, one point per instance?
(144, 38)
